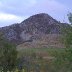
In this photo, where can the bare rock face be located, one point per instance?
(31, 29)
(41, 23)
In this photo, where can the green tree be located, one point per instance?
(70, 17)
(67, 32)
(63, 61)
(67, 36)
(8, 55)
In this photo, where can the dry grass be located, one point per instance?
(47, 41)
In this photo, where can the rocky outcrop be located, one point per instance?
(33, 28)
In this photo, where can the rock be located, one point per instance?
(32, 28)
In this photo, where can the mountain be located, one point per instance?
(36, 28)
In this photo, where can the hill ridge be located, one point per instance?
(31, 29)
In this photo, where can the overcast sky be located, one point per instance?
(15, 11)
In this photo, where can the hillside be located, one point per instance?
(38, 30)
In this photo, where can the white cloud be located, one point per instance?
(29, 7)
(12, 11)
(54, 8)
(57, 10)
(4, 16)
(7, 19)
(49, 6)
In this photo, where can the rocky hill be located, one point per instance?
(36, 27)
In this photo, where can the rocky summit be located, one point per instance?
(36, 27)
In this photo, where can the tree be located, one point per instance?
(68, 36)
(8, 55)
(70, 17)
(64, 59)
(67, 32)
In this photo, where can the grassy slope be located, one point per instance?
(43, 54)
(44, 57)
(49, 51)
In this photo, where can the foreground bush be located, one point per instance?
(8, 55)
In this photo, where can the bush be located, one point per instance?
(8, 55)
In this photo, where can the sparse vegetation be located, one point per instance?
(8, 55)
(37, 59)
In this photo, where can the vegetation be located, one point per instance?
(56, 60)
(64, 60)
(67, 35)
(38, 59)
(8, 55)
(70, 17)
